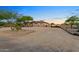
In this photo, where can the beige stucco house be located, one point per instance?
(38, 24)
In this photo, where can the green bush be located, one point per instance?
(18, 26)
(2, 23)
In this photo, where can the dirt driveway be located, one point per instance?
(38, 39)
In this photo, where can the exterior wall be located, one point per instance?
(37, 24)
(40, 24)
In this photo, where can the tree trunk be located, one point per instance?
(78, 27)
(71, 26)
(24, 23)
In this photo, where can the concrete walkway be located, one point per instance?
(43, 39)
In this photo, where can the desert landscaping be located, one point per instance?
(22, 31)
(39, 39)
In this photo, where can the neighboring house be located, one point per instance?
(38, 24)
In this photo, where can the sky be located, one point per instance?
(47, 13)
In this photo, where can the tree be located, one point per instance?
(14, 19)
(72, 20)
(77, 23)
(25, 19)
(9, 16)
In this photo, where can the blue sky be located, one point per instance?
(44, 12)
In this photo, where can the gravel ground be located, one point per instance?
(38, 39)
